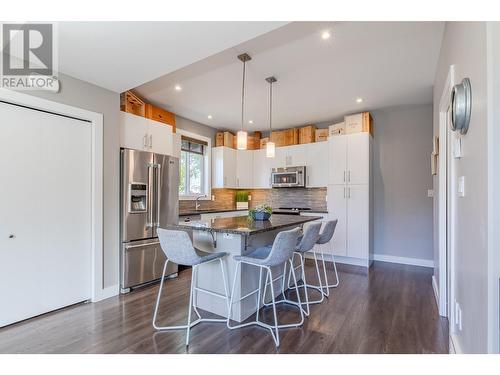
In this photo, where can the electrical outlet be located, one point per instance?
(213, 198)
(249, 197)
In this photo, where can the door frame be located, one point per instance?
(445, 286)
(98, 292)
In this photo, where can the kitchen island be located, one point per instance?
(235, 236)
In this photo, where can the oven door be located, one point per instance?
(285, 179)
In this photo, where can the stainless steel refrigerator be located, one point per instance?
(149, 199)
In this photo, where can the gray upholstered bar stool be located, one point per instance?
(264, 258)
(306, 243)
(325, 237)
(179, 249)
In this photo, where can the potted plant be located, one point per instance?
(261, 212)
(242, 200)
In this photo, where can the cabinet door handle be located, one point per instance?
(349, 192)
(344, 176)
(308, 183)
(349, 176)
(344, 192)
(151, 141)
(145, 141)
(225, 180)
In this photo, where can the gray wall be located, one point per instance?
(402, 212)
(93, 98)
(195, 127)
(471, 219)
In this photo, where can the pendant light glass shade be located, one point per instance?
(270, 149)
(241, 140)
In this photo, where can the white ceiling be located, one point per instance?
(385, 63)
(121, 55)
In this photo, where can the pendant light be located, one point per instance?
(270, 146)
(242, 136)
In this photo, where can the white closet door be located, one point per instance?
(45, 174)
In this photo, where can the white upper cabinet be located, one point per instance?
(337, 155)
(133, 131)
(160, 138)
(317, 165)
(244, 169)
(261, 169)
(140, 133)
(295, 156)
(358, 158)
(349, 159)
(224, 167)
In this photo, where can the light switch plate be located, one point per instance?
(461, 186)
(457, 147)
(430, 193)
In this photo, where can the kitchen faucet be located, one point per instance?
(197, 204)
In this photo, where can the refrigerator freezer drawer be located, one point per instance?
(142, 262)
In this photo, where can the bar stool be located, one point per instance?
(325, 237)
(306, 243)
(264, 258)
(179, 249)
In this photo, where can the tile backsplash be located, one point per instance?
(314, 198)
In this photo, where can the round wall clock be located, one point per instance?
(461, 103)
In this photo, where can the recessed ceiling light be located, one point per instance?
(359, 100)
(209, 117)
(178, 88)
(250, 121)
(325, 35)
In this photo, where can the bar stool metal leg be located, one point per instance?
(192, 306)
(328, 286)
(274, 329)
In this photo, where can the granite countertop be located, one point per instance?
(243, 225)
(200, 212)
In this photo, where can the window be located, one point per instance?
(192, 167)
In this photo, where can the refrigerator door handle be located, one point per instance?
(150, 199)
(158, 194)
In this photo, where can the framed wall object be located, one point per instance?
(461, 103)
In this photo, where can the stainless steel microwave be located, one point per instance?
(288, 177)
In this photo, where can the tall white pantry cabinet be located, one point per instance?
(350, 196)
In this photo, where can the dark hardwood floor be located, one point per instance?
(392, 310)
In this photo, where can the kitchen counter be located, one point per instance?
(243, 225)
(236, 235)
(200, 212)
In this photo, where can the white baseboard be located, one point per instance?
(108, 292)
(404, 260)
(436, 290)
(341, 259)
